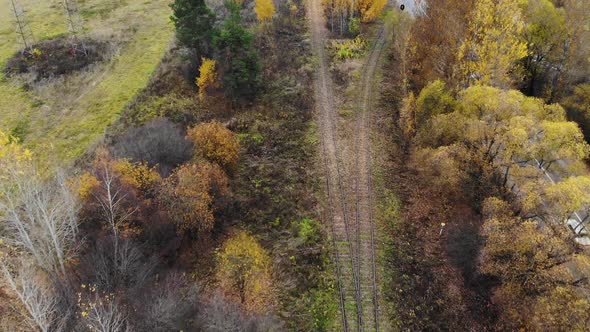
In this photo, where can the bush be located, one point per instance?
(55, 57)
(215, 143)
(159, 142)
(349, 48)
(190, 194)
(309, 230)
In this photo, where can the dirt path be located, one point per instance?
(349, 203)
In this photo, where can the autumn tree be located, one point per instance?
(244, 271)
(407, 117)
(564, 308)
(207, 76)
(35, 295)
(565, 197)
(433, 100)
(113, 191)
(370, 9)
(215, 143)
(340, 12)
(195, 25)
(577, 106)
(544, 33)
(494, 43)
(190, 195)
(508, 131)
(573, 63)
(434, 43)
(101, 311)
(264, 9)
(528, 260)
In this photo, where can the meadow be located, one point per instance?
(60, 118)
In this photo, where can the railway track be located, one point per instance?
(337, 211)
(365, 222)
(349, 210)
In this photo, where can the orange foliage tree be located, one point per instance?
(215, 143)
(115, 190)
(190, 193)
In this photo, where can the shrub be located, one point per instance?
(349, 48)
(189, 195)
(215, 143)
(244, 271)
(159, 142)
(309, 230)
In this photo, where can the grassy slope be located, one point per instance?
(65, 132)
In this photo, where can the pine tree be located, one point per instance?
(237, 56)
(194, 23)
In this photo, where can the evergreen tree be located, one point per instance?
(194, 23)
(237, 56)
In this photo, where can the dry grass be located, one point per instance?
(62, 118)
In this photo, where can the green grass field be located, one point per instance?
(63, 120)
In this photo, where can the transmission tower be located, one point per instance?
(22, 27)
(75, 26)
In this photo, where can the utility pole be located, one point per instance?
(22, 27)
(75, 27)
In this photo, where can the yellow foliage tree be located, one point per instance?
(407, 117)
(207, 76)
(13, 156)
(138, 175)
(190, 193)
(264, 10)
(244, 271)
(215, 143)
(494, 44)
(85, 185)
(370, 9)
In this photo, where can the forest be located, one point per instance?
(290, 165)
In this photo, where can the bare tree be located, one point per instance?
(36, 297)
(104, 313)
(39, 217)
(23, 29)
(112, 201)
(218, 314)
(129, 270)
(171, 304)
